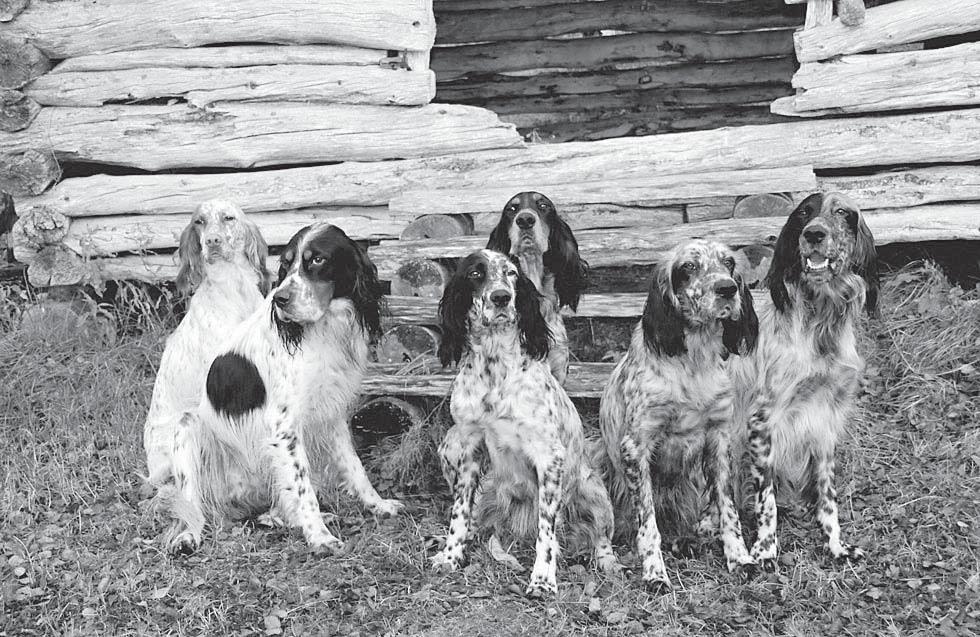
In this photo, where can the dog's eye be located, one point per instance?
(474, 274)
(230, 217)
(840, 211)
(317, 261)
(199, 221)
(689, 266)
(729, 263)
(512, 207)
(543, 205)
(512, 273)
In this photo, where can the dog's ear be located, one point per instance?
(454, 310)
(257, 251)
(562, 258)
(865, 265)
(740, 336)
(366, 293)
(535, 335)
(663, 324)
(191, 256)
(500, 236)
(785, 266)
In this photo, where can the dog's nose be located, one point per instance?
(525, 220)
(814, 235)
(500, 298)
(726, 289)
(281, 297)
(212, 241)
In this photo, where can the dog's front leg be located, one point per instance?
(716, 461)
(824, 498)
(760, 450)
(636, 465)
(351, 471)
(457, 454)
(550, 470)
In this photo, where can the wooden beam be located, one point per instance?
(910, 187)
(17, 111)
(887, 25)
(20, 61)
(626, 51)
(81, 27)
(225, 57)
(28, 173)
(886, 81)
(650, 190)
(818, 13)
(558, 18)
(202, 87)
(240, 135)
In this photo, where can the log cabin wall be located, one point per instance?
(586, 70)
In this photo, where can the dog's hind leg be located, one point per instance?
(821, 492)
(188, 507)
(457, 455)
(636, 466)
(345, 460)
(593, 499)
(716, 461)
(760, 447)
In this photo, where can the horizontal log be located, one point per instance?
(225, 57)
(17, 111)
(599, 52)
(204, 86)
(887, 25)
(237, 135)
(80, 27)
(28, 173)
(445, 6)
(910, 187)
(534, 23)
(774, 71)
(886, 81)
(591, 216)
(650, 191)
(20, 61)
(585, 380)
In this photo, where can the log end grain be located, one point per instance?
(17, 111)
(420, 277)
(407, 343)
(438, 227)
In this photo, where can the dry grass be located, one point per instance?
(80, 555)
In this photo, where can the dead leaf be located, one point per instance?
(498, 553)
(616, 617)
(272, 625)
(160, 593)
(595, 605)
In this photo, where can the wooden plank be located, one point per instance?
(238, 135)
(534, 23)
(602, 248)
(590, 54)
(648, 191)
(103, 236)
(80, 27)
(224, 57)
(886, 81)
(203, 86)
(818, 13)
(887, 25)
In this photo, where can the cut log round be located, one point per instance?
(28, 173)
(407, 343)
(420, 277)
(777, 204)
(851, 12)
(438, 227)
(36, 229)
(17, 111)
(752, 262)
(10, 8)
(385, 416)
(20, 62)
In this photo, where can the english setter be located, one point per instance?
(666, 412)
(222, 263)
(276, 401)
(531, 231)
(505, 400)
(795, 395)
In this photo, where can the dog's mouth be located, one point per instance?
(817, 264)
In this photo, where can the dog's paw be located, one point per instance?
(745, 572)
(184, 543)
(848, 553)
(388, 508)
(609, 564)
(327, 546)
(657, 586)
(540, 587)
(444, 562)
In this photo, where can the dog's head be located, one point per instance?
(529, 226)
(219, 232)
(488, 293)
(693, 288)
(319, 264)
(822, 246)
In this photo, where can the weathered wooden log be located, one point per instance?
(911, 187)
(225, 57)
(385, 416)
(690, 75)
(28, 173)
(651, 190)
(535, 23)
(8, 217)
(851, 12)
(446, 6)
(777, 204)
(418, 60)
(20, 61)
(439, 226)
(886, 81)
(591, 216)
(245, 135)
(35, 230)
(818, 13)
(9, 9)
(420, 277)
(752, 262)
(80, 27)
(599, 52)
(203, 86)
(709, 209)
(102, 236)
(885, 25)
(17, 111)
(407, 343)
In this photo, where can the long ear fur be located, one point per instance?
(500, 236)
(865, 260)
(191, 272)
(562, 258)
(366, 295)
(740, 336)
(663, 324)
(257, 251)
(454, 310)
(785, 264)
(535, 335)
